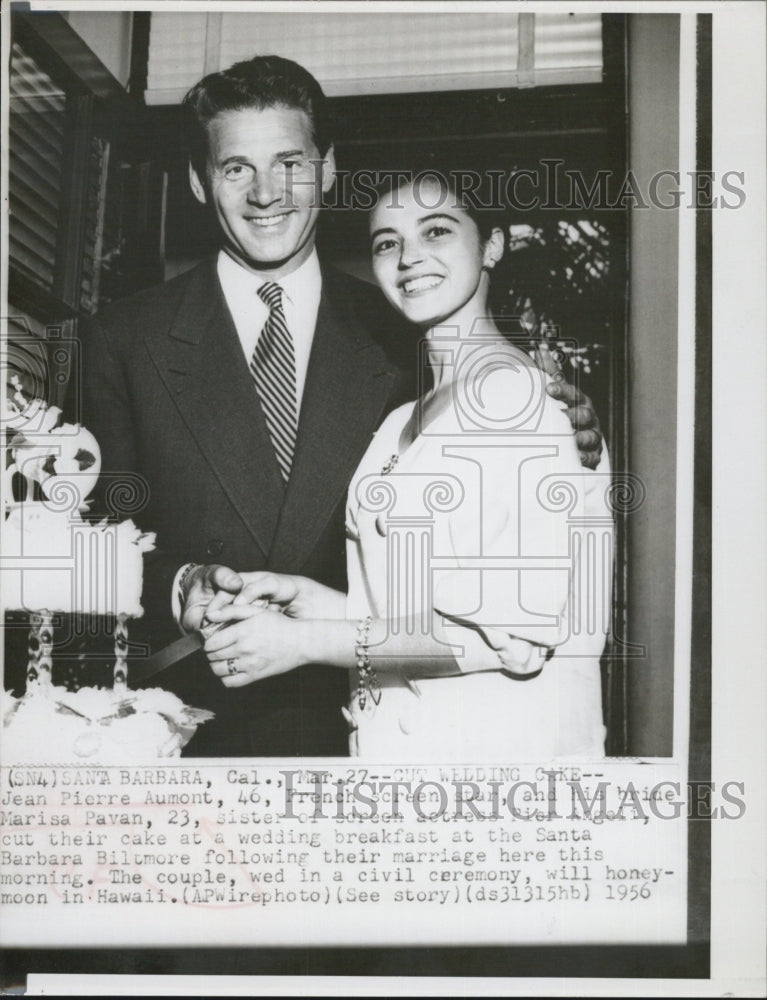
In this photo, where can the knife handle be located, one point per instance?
(207, 629)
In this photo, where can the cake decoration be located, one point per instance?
(56, 563)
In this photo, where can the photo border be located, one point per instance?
(690, 961)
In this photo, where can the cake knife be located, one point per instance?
(172, 653)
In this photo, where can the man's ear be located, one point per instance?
(494, 248)
(328, 169)
(196, 184)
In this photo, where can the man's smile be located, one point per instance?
(267, 221)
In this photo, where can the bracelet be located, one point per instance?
(183, 578)
(367, 683)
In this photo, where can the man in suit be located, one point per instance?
(179, 389)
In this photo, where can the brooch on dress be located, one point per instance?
(390, 465)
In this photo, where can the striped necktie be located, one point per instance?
(274, 371)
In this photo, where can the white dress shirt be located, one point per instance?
(300, 299)
(301, 292)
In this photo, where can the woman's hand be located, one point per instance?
(295, 596)
(257, 643)
(519, 658)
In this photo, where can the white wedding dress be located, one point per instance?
(489, 518)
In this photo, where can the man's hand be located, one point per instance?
(200, 586)
(581, 414)
(580, 411)
(295, 596)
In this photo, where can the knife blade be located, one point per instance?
(177, 650)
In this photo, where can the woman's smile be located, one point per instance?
(420, 284)
(430, 261)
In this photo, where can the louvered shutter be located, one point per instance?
(36, 124)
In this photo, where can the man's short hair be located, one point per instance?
(261, 82)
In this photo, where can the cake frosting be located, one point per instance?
(57, 561)
(95, 725)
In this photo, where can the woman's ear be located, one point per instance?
(494, 248)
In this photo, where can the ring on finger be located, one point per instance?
(231, 667)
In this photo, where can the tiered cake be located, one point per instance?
(57, 566)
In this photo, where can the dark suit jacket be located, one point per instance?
(167, 392)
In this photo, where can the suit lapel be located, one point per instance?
(349, 384)
(203, 368)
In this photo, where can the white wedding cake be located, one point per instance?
(57, 563)
(51, 725)
(52, 558)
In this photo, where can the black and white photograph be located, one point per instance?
(375, 537)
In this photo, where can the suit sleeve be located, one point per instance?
(100, 398)
(101, 394)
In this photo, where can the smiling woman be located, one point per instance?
(426, 251)
(462, 621)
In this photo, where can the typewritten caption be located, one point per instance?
(534, 853)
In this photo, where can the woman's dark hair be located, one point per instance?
(261, 82)
(472, 192)
(455, 192)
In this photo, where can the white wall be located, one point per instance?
(652, 346)
(108, 33)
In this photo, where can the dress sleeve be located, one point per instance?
(509, 557)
